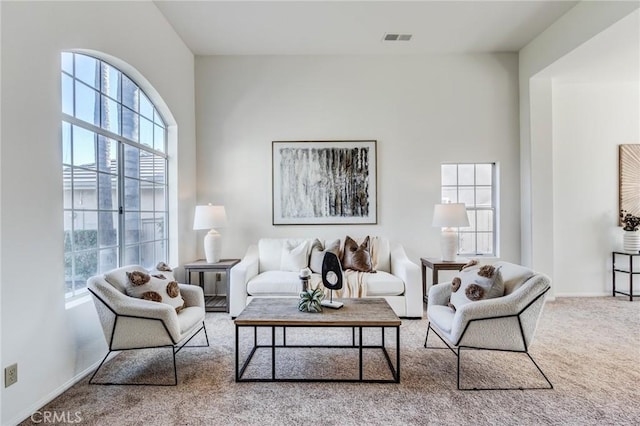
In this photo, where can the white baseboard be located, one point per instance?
(52, 395)
(594, 294)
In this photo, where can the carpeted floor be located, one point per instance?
(588, 347)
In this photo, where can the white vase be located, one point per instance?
(631, 241)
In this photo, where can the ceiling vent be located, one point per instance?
(396, 37)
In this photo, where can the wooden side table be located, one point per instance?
(212, 303)
(436, 264)
(625, 270)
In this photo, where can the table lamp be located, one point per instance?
(210, 217)
(449, 216)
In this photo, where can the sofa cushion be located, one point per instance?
(357, 257)
(156, 288)
(270, 252)
(318, 251)
(295, 256)
(381, 254)
(475, 283)
(275, 283)
(382, 284)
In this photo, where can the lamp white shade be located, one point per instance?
(210, 217)
(449, 216)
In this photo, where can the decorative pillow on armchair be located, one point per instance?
(357, 257)
(476, 283)
(318, 252)
(156, 287)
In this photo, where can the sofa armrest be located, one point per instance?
(241, 273)
(409, 273)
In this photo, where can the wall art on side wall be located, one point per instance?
(324, 182)
(629, 183)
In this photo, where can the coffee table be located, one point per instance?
(283, 313)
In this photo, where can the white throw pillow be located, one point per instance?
(318, 252)
(476, 283)
(294, 257)
(156, 288)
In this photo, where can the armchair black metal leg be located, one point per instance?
(175, 371)
(184, 345)
(427, 336)
(540, 370)
(98, 369)
(499, 388)
(447, 346)
(206, 336)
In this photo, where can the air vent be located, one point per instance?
(396, 37)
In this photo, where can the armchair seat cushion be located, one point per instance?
(190, 317)
(441, 317)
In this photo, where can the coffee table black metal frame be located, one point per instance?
(356, 344)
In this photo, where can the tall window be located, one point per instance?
(475, 186)
(114, 166)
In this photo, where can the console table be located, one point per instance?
(627, 269)
(437, 264)
(213, 303)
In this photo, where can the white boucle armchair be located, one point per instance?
(130, 323)
(506, 323)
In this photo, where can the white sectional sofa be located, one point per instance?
(261, 274)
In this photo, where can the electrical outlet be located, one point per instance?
(10, 375)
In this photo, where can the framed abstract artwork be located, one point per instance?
(324, 182)
(629, 182)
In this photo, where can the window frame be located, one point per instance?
(474, 209)
(75, 285)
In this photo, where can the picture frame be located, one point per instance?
(324, 182)
(629, 179)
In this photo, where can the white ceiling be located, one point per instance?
(357, 27)
(614, 54)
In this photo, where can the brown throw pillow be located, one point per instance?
(357, 257)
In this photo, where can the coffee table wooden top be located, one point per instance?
(369, 312)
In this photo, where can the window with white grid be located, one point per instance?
(474, 185)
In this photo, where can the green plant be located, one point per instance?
(310, 301)
(631, 222)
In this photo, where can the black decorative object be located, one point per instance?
(331, 278)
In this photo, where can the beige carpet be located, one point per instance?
(589, 348)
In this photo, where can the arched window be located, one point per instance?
(114, 166)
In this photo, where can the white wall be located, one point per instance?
(53, 345)
(580, 40)
(574, 28)
(590, 120)
(422, 110)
